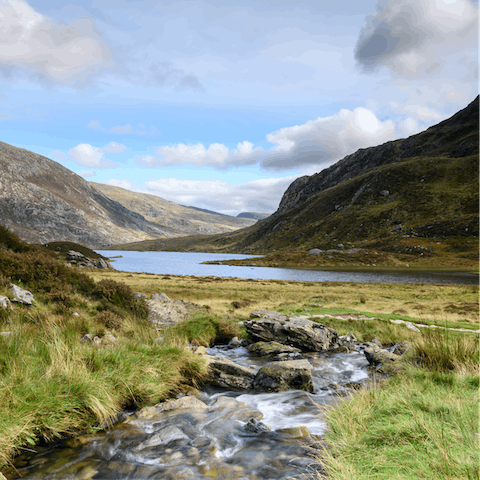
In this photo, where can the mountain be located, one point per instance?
(423, 186)
(178, 219)
(42, 201)
(254, 215)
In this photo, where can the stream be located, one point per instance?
(231, 435)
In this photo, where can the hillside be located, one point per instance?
(178, 219)
(423, 187)
(42, 201)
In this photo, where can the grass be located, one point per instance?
(423, 423)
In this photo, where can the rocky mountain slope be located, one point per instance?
(423, 186)
(453, 138)
(178, 219)
(42, 201)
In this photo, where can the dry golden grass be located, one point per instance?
(451, 305)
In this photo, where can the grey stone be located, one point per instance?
(299, 332)
(271, 348)
(227, 374)
(87, 338)
(282, 376)
(340, 245)
(109, 340)
(378, 357)
(5, 302)
(316, 251)
(21, 296)
(384, 193)
(140, 295)
(164, 437)
(160, 297)
(400, 348)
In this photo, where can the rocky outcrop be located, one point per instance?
(298, 332)
(282, 376)
(79, 259)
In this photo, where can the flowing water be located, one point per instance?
(236, 436)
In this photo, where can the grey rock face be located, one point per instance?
(79, 259)
(282, 376)
(227, 374)
(21, 296)
(297, 332)
(167, 312)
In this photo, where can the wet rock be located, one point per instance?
(181, 403)
(228, 409)
(282, 376)
(5, 303)
(165, 436)
(234, 342)
(21, 295)
(296, 432)
(299, 332)
(348, 341)
(381, 360)
(227, 374)
(273, 349)
(254, 426)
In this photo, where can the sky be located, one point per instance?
(221, 105)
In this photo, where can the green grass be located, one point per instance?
(422, 423)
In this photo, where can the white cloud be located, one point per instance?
(261, 195)
(89, 156)
(60, 52)
(410, 37)
(326, 140)
(316, 142)
(216, 155)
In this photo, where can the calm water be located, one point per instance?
(182, 263)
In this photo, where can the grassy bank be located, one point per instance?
(423, 423)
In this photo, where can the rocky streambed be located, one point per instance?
(259, 417)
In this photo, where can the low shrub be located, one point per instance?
(110, 320)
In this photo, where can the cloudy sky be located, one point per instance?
(221, 105)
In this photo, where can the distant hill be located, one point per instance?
(423, 186)
(179, 220)
(254, 215)
(42, 201)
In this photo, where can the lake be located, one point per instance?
(183, 263)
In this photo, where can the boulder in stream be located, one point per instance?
(273, 349)
(227, 374)
(382, 360)
(299, 332)
(282, 376)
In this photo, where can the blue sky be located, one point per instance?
(221, 105)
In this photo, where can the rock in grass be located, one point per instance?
(382, 360)
(282, 376)
(21, 295)
(5, 302)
